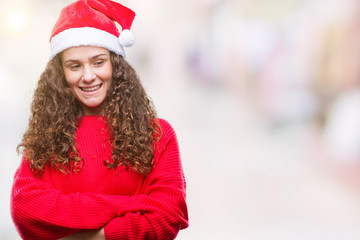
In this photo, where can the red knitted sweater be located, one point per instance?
(128, 205)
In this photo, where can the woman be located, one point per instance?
(97, 163)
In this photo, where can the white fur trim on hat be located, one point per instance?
(86, 36)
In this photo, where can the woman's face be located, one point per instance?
(88, 72)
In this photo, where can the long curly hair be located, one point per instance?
(55, 113)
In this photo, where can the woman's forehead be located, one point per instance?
(84, 52)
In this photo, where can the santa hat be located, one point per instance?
(92, 23)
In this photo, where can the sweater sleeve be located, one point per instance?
(41, 212)
(160, 211)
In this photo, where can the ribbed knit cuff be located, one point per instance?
(131, 224)
(116, 229)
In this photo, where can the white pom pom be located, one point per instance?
(126, 38)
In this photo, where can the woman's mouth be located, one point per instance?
(90, 89)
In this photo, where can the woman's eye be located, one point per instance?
(98, 63)
(74, 67)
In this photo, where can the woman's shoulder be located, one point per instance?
(167, 132)
(165, 127)
(167, 141)
(163, 123)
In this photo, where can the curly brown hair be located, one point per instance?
(55, 113)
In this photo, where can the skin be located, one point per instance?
(88, 72)
(87, 235)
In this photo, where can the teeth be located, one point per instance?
(91, 89)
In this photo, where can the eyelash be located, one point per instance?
(77, 66)
(74, 67)
(98, 63)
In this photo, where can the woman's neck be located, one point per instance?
(93, 110)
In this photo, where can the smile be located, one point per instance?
(90, 89)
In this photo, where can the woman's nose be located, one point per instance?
(88, 75)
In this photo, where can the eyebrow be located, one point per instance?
(93, 57)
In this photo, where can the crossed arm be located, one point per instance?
(41, 212)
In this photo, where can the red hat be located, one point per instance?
(91, 23)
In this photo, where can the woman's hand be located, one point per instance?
(87, 235)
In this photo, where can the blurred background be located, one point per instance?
(264, 97)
